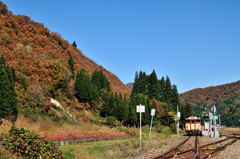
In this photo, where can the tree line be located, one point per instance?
(148, 90)
(94, 89)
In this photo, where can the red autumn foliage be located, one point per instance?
(41, 56)
(211, 95)
(83, 135)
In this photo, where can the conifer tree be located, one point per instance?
(186, 111)
(8, 99)
(74, 44)
(175, 98)
(161, 96)
(100, 80)
(153, 85)
(140, 84)
(135, 84)
(138, 99)
(85, 90)
(71, 63)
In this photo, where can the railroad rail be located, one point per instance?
(172, 151)
(199, 152)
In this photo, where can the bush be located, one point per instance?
(29, 145)
(112, 121)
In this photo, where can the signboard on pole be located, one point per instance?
(153, 112)
(140, 108)
(213, 117)
(178, 115)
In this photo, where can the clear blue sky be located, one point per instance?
(195, 42)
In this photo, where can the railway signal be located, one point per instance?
(140, 109)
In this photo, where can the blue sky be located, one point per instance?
(195, 42)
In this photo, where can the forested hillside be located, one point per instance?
(225, 97)
(48, 71)
(44, 65)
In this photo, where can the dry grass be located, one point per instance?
(49, 127)
(115, 149)
(230, 131)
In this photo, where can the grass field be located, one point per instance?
(115, 149)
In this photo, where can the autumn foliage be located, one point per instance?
(40, 60)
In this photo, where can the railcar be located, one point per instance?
(193, 126)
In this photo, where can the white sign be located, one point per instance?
(153, 112)
(140, 108)
(178, 115)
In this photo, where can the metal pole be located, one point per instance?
(140, 129)
(150, 128)
(215, 121)
(177, 120)
(210, 125)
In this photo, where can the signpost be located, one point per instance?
(214, 119)
(177, 120)
(152, 114)
(140, 109)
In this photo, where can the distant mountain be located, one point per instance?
(226, 97)
(130, 85)
(39, 60)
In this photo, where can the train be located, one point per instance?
(193, 126)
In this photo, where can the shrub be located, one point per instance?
(8, 98)
(112, 121)
(28, 144)
(3, 8)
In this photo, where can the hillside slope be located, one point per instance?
(39, 60)
(226, 98)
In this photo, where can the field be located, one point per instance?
(115, 149)
(230, 131)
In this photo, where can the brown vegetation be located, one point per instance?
(211, 95)
(39, 60)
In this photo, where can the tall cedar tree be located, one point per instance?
(115, 105)
(85, 90)
(140, 83)
(74, 44)
(186, 111)
(8, 99)
(161, 96)
(100, 80)
(144, 100)
(153, 85)
(71, 63)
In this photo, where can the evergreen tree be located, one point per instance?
(135, 84)
(140, 83)
(138, 99)
(132, 116)
(186, 111)
(8, 99)
(100, 80)
(74, 44)
(71, 63)
(115, 105)
(161, 96)
(175, 98)
(85, 90)
(153, 85)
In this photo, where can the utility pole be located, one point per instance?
(215, 120)
(210, 123)
(177, 120)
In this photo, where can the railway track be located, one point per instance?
(198, 151)
(175, 150)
